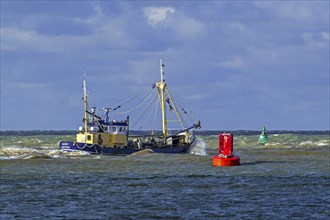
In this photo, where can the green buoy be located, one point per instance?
(263, 139)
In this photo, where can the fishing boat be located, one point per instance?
(112, 137)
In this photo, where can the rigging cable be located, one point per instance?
(139, 117)
(181, 119)
(156, 110)
(136, 107)
(129, 99)
(190, 115)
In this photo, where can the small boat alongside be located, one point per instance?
(111, 137)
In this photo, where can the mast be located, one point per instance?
(161, 92)
(85, 105)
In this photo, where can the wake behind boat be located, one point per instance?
(111, 137)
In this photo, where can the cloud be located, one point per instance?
(13, 38)
(325, 36)
(233, 64)
(295, 11)
(197, 97)
(187, 27)
(97, 17)
(156, 15)
(241, 54)
(300, 11)
(20, 40)
(96, 20)
(184, 27)
(234, 26)
(97, 29)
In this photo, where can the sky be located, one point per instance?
(238, 65)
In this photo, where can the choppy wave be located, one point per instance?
(46, 146)
(46, 152)
(297, 144)
(315, 143)
(281, 141)
(17, 152)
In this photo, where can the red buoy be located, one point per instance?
(226, 157)
(229, 161)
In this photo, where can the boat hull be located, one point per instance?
(69, 146)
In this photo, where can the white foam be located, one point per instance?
(314, 143)
(322, 143)
(198, 147)
(16, 151)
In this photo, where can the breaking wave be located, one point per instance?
(315, 143)
(198, 147)
(17, 152)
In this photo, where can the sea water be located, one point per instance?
(288, 178)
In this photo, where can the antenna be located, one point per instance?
(85, 103)
(107, 110)
(161, 71)
(84, 84)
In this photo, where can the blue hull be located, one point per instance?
(70, 146)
